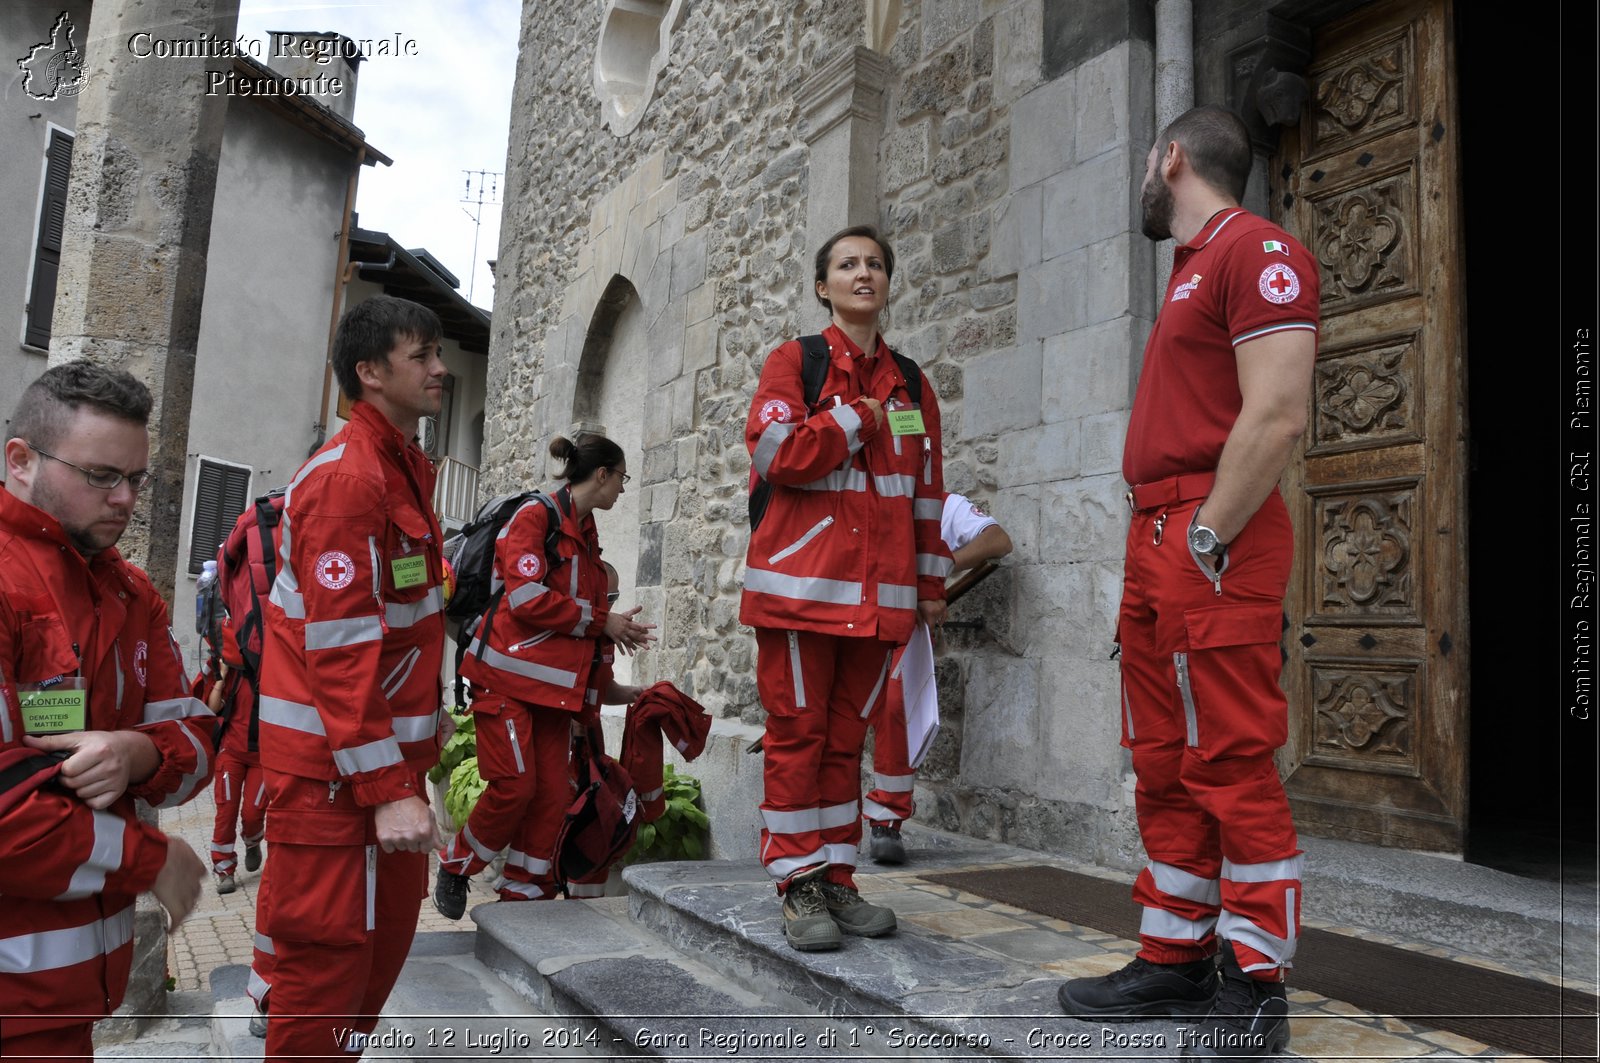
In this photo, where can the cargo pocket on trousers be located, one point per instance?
(324, 876)
(1122, 688)
(1228, 681)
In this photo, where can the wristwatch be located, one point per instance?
(1202, 540)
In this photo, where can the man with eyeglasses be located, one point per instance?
(95, 712)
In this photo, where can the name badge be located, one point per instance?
(409, 571)
(906, 422)
(60, 708)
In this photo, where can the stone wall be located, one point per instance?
(1023, 288)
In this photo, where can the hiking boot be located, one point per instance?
(854, 915)
(226, 884)
(806, 923)
(1250, 1019)
(258, 1019)
(252, 857)
(1143, 990)
(887, 848)
(450, 894)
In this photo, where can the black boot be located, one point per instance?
(1143, 990)
(450, 894)
(1250, 1019)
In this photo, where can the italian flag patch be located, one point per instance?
(1270, 246)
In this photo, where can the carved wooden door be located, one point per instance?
(1377, 636)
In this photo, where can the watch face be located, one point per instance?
(1203, 539)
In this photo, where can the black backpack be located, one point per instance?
(813, 371)
(471, 555)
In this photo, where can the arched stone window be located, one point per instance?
(635, 36)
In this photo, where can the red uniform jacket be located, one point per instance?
(850, 540)
(350, 689)
(542, 639)
(69, 874)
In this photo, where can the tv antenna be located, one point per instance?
(482, 190)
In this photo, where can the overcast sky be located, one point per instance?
(442, 111)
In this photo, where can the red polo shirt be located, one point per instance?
(1241, 279)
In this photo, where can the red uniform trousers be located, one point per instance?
(239, 789)
(818, 691)
(524, 755)
(1202, 714)
(48, 1046)
(892, 798)
(264, 955)
(342, 918)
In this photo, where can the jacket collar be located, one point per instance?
(839, 341)
(366, 415)
(27, 521)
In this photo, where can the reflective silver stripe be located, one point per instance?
(372, 886)
(1271, 871)
(372, 756)
(227, 788)
(292, 602)
(1127, 708)
(1235, 927)
(838, 815)
(652, 795)
(332, 634)
(895, 784)
(525, 594)
(811, 533)
(1176, 882)
(794, 670)
(407, 614)
(516, 750)
(450, 860)
(415, 728)
(1158, 923)
(682, 746)
(806, 588)
(315, 463)
(850, 421)
(528, 669)
(116, 649)
(258, 988)
(5, 715)
(291, 714)
(51, 950)
(191, 782)
(533, 865)
(883, 677)
(877, 813)
(264, 944)
(1180, 665)
(401, 672)
(934, 565)
(105, 856)
(838, 480)
(897, 596)
(174, 709)
(572, 568)
(591, 696)
(782, 868)
(226, 865)
(585, 614)
(896, 485)
(927, 509)
(483, 852)
(806, 819)
(839, 854)
(586, 889)
(767, 446)
(531, 890)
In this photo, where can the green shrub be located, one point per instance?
(466, 786)
(462, 744)
(680, 833)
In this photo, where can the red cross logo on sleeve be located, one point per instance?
(1278, 284)
(335, 570)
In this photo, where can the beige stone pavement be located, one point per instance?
(221, 929)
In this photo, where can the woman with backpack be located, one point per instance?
(845, 558)
(528, 662)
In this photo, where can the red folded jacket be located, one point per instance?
(662, 711)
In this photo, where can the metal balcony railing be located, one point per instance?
(455, 494)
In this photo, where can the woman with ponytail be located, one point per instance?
(528, 663)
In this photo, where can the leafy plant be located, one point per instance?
(680, 833)
(466, 786)
(462, 744)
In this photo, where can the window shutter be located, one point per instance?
(221, 493)
(47, 252)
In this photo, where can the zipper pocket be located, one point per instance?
(526, 643)
(377, 583)
(794, 667)
(516, 750)
(799, 544)
(1180, 665)
(402, 671)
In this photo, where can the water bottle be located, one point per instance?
(203, 596)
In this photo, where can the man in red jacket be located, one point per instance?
(92, 687)
(350, 693)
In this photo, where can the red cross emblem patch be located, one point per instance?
(775, 410)
(335, 570)
(141, 661)
(1279, 284)
(530, 566)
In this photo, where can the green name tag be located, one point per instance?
(59, 710)
(409, 571)
(906, 422)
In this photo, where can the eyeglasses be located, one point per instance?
(104, 479)
(625, 476)
(612, 596)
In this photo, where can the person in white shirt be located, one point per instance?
(973, 538)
